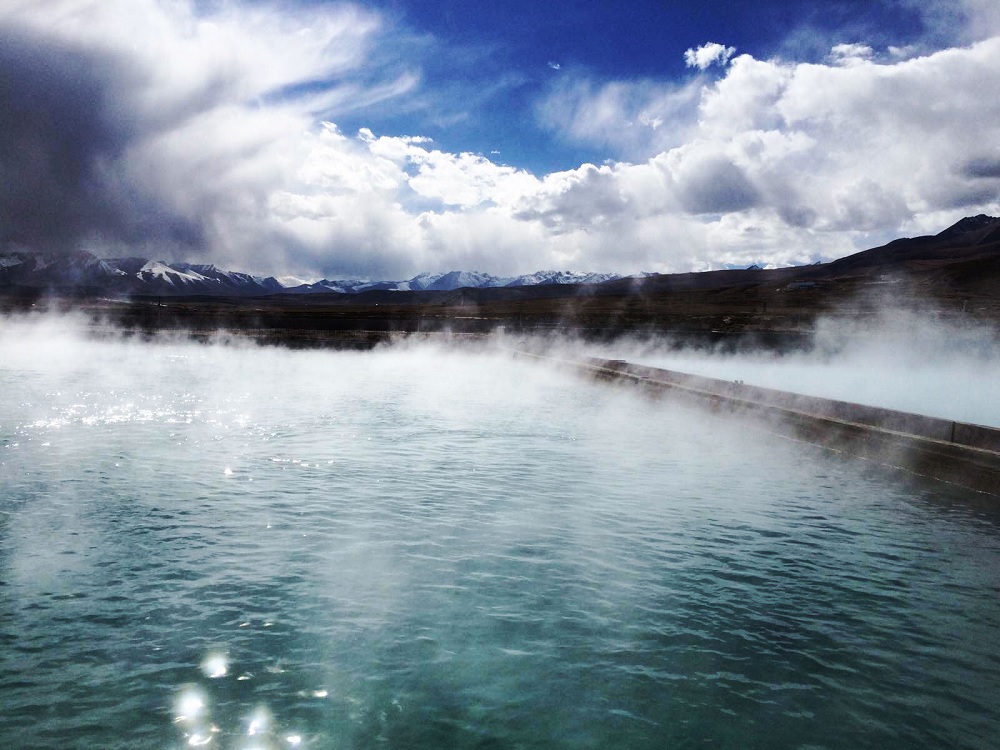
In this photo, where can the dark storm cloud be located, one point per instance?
(801, 217)
(983, 168)
(67, 117)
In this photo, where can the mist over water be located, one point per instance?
(428, 548)
(901, 360)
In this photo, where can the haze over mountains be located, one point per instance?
(971, 247)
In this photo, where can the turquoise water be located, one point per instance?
(242, 548)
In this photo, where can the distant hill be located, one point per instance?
(963, 259)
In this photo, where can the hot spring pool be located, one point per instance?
(241, 548)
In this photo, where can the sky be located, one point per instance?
(379, 140)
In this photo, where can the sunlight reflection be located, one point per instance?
(260, 722)
(192, 715)
(215, 665)
(190, 706)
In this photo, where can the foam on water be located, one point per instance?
(224, 547)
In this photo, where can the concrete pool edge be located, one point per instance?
(959, 453)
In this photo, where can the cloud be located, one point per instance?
(949, 22)
(634, 118)
(712, 184)
(985, 167)
(983, 18)
(579, 199)
(58, 144)
(846, 54)
(207, 131)
(707, 55)
(829, 156)
(141, 124)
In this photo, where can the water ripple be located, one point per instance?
(402, 550)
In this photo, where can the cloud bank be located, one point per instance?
(207, 132)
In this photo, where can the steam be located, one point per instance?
(922, 362)
(926, 362)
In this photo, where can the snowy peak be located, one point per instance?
(83, 272)
(157, 270)
(194, 278)
(461, 279)
(446, 282)
(562, 277)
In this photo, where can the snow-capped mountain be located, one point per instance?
(454, 280)
(562, 277)
(83, 272)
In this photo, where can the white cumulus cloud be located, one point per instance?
(708, 54)
(789, 157)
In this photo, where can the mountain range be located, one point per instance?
(969, 248)
(437, 282)
(83, 273)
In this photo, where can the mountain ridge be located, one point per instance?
(133, 275)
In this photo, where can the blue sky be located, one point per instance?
(345, 140)
(519, 50)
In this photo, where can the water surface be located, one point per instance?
(427, 549)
